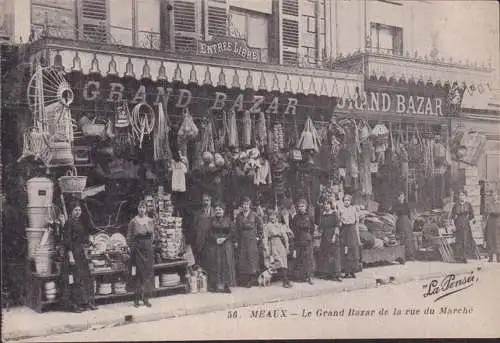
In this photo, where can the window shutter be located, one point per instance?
(187, 24)
(216, 17)
(290, 37)
(398, 41)
(94, 20)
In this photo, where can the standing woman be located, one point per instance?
(329, 264)
(219, 252)
(78, 294)
(303, 229)
(276, 246)
(493, 229)
(403, 226)
(349, 237)
(461, 214)
(140, 240)
(248, 232)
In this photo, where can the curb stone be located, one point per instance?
(293, 295)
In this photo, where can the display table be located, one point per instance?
(35, 297)
(385, 254)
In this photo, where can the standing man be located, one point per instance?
(201, 225)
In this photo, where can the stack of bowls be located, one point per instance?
(50, 290)
(120, 287)
(167, 280)
(105, 288)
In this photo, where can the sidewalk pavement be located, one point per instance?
(19, 323)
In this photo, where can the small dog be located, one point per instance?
(264, 278)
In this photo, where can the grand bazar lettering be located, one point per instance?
(92, 91)
(385, 102)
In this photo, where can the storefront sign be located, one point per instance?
(183, 97)
(395, 103)
(228, 47)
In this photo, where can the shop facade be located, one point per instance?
(100, 86)
(416, 119)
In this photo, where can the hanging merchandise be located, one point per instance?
(161, 144)
(122, 115)
(232, 130)
(352, 146)
(415, 151)
(309, 139)
(440, 152)
(279, 166)
(179, 170)
(121, 141)
(364, 166)
(271, 146)
(90, 127)
(336, 134)
(188, 130)
(207, 136)
(142, 122)
(261, 131)
(364, 131)
(380, 134)
(278, 137)
(247, 129)
(428, 145)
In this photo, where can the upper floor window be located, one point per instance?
(253, 27)
(135, 23)
(5, 20)
(386, 39)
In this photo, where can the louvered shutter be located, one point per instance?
(187, 24)
(397, 41)
(94, 20)
(290, 37)
(216, 13)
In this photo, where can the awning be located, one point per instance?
(143, 64)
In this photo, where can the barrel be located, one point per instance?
(38, 216)
(40, 192)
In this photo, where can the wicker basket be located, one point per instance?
(72, 183)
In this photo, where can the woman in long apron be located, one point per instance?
(329, 258)
(303, 229)
(403, 226)
(349, 236)
(219, 252)
(461, 214)
(78, 290)
(248, 232)
(140, 240)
